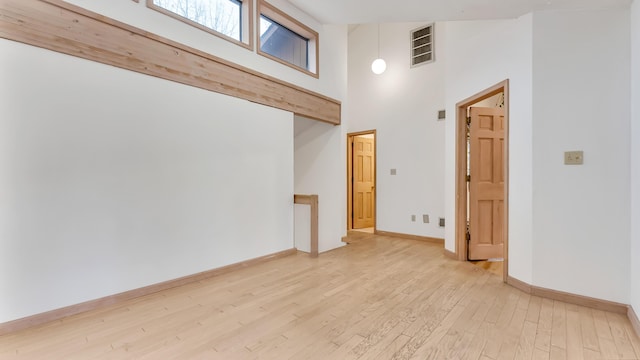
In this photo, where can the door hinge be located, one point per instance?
(468, 120)
(468, 178)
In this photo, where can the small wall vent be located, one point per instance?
(422, 45)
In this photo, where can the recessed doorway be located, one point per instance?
(361, 181)
(482, 164)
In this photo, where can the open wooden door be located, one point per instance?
(363, 182)
(486, 184)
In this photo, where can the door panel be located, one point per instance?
(363, 182)
(486, 185)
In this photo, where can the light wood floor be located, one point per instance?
(494, 267)
(368, 230)
(376, 298)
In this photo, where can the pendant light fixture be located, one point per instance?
(379, 65)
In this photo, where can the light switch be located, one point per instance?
(573, 157)
(393, 171)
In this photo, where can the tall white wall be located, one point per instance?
(479, 55)
(113, 180)
(635, 156)
(402, 105)
(581, 102)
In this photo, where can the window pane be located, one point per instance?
(278, 41)
(223, 16)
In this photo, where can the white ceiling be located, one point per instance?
(382, 11)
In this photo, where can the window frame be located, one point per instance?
(282, 19)
(246, 22)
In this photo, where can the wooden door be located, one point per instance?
(486, 184)
(363, 182)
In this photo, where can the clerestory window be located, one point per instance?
(229, 19)
(286, 40)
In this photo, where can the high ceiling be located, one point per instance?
(374, 11)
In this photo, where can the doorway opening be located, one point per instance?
(361, 181)
(482, 189)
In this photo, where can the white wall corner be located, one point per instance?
(635, 157)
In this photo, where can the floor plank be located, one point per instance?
(377, 298)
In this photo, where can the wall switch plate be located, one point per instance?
(393, 171)
(573, 157)
(441, 222)
(442, 114)
(425, 218)
(413, 218)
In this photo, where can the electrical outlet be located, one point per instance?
(413, 218)
(573, 157)
(425, 218)
(393, 171)
(441, 222)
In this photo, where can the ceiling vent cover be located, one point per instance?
(422, 45)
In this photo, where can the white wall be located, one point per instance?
(113, 180)
(402, 105)
(635, 156)
(320, 169)
(581, 102)
(479, 55)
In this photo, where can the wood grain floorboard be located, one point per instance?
(379, 298)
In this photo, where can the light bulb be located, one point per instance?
(378, 66)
